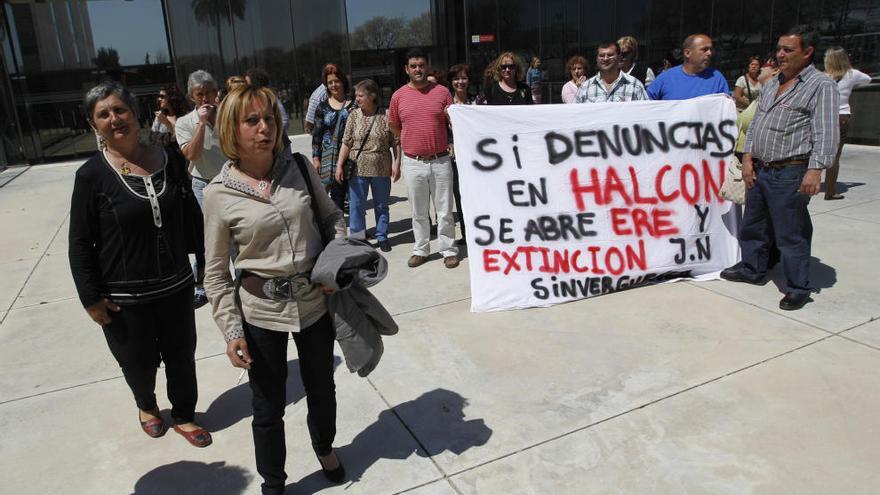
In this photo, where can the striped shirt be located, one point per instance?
(315, 99)
(802, 121)
(624, 88)
(421, 113)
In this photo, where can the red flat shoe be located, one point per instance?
(197, 438)
(154, 428)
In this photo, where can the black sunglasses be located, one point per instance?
(507, 66)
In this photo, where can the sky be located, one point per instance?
(363, 10)
(133, 28)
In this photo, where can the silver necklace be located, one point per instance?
(262, 184)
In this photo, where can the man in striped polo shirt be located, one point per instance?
(792, 138)
(418, 115)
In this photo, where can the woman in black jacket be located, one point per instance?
(133, 220)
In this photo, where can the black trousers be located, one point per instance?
(337, 192)
(143, 335)
(268, 382)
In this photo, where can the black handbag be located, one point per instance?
(349, 168)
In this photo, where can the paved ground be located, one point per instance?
(680, 388)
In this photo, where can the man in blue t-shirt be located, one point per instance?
(694, 77)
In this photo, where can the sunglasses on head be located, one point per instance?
(507, 66)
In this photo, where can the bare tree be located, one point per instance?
(378, 33)
(418, 31)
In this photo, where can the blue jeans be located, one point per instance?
(358, 187)
(776, 210)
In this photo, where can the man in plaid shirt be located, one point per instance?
(610, 84)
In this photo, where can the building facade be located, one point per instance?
(54, 50)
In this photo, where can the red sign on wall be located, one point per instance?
(482, 38)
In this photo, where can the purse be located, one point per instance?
(734, 187)
(349, 168)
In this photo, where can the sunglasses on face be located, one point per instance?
(507, 66)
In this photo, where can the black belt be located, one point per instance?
(797, 161)
(427, 158)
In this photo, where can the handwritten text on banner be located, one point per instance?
(563, 202)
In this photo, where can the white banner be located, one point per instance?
(563, 202)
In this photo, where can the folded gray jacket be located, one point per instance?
(351, 266)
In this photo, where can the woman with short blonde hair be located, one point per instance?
(233, 108)
(839, 68)
(272, 206)
(507, 87)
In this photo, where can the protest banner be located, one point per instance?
(563, 202)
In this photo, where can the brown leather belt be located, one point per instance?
(281, 288)
(427, 158)
(798, 161)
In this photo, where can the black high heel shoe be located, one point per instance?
(336, 475)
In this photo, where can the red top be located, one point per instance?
(420, 113)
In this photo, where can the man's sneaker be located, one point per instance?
(385, 246)
(416, 260)
(450, 261)
(199, 300)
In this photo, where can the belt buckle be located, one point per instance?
(287, 288)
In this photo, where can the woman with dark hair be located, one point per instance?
(576, 67)
(436, 76)
(368, 141)
(672, 58)
(507, 87)
(460, 81)
(172, 104)
(769, 69)
(747, 87)
(262, 201)
(133, 219)
(330, 117)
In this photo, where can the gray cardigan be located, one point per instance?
(351, 266)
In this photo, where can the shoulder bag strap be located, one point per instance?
(367, 135)
(748, 87)
(300, 162)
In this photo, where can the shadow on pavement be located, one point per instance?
(822, 276)
(435, 418)
(188, 477)
(842, 187)
(235, 404)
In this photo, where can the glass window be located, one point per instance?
(377, 25)
(55, 51)
(381, 32)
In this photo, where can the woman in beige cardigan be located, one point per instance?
(260, 200)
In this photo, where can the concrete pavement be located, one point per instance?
(681, 388)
